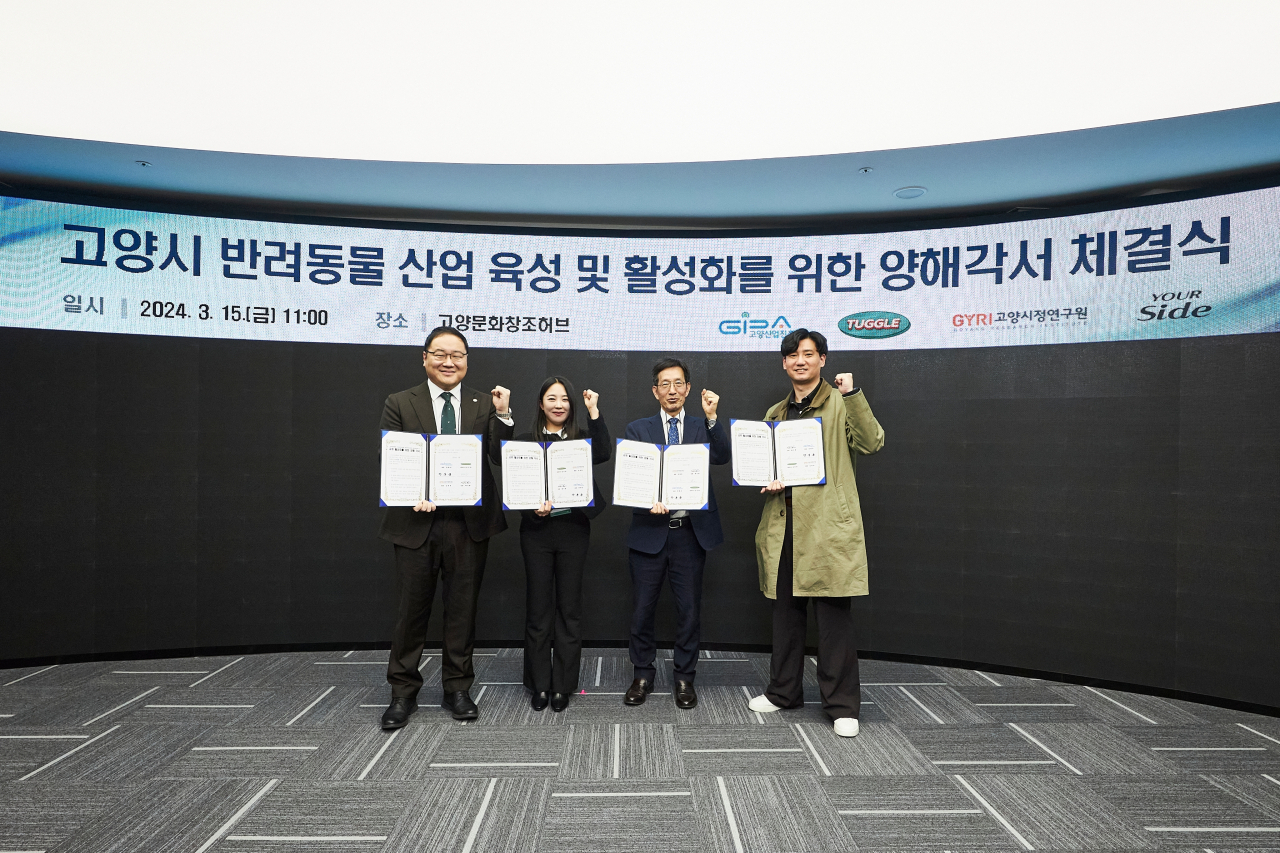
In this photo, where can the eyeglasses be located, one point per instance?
(667, 386)
(441, 356)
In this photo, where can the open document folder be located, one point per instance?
(443, 469)
(790, 451)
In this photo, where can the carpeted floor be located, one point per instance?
(282, 752)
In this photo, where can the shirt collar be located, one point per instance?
(666, 419)
(436, 391)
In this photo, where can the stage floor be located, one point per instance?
(283, 752)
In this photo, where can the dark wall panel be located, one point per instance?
(1101, 510)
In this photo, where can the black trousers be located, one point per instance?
(452, 556)
(554, 554)
(838, 680)
(680, 562)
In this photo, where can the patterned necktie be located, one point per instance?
(448, 423)
(673, 431)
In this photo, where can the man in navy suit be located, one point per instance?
(672, 545)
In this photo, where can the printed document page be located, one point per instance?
(685, 469)
(524, 483)
(799, 448)
(635, 474)
(404, 468)
(569, 473)
(455, 467)
(752, 453)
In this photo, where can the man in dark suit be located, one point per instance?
(448, 543)
(672, 545)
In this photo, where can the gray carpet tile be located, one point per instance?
(913, 813)
(979, 678)
(1125, 709)
(925, 704)
(500, 671)
(509, 706)
(623, 751)
(881, 673)
(37, 815)
(768, 813)
(721, 751)
(53, 675)
(22, 706)
(607, 707)
(370, 753)
(1024, 704)
(728, 672)
(168, 671)
(130, 753)
(1054, 812)
(601, 671)
(722, 706)
(495, 751)
(981, 749)
(277, 671)
(1186, 812)
(1095, 748)
(207, 706)
(25, 749)
(603, 816)
(272, 752)
(92, 705)
(881, 749)
(297, 814)
(1261, 792)
(308, 705)
(438, 815)
(1212, 748)
(163, 816)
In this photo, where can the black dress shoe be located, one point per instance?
(686, 696)
(559, 701)
(397, 713)
(460, 705)
(539, 700)
(638, 692)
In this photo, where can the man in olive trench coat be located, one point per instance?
(810, 546)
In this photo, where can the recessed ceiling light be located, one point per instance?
(910, 192)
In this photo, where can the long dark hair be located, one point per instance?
(571, 430)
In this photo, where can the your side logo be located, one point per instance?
(874, 324)
(1164, 307)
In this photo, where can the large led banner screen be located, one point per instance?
(1184, 269)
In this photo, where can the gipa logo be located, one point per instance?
(874, 324)
(778, 328)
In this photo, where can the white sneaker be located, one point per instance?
(847, 727)
(762, 705)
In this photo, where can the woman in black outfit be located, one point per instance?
(554, 544)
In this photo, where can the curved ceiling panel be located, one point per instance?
(974, 177)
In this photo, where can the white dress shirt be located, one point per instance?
(455, 397)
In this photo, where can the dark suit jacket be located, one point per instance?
(601, 452)
(411, 411)
(648, 532)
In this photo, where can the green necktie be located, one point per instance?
(448, 423)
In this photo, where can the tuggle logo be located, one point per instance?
(874, 324)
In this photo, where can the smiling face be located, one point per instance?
(446, 362)
(555, 407)
(671, 389)
(804, 366)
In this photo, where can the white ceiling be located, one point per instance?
(593, 82)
